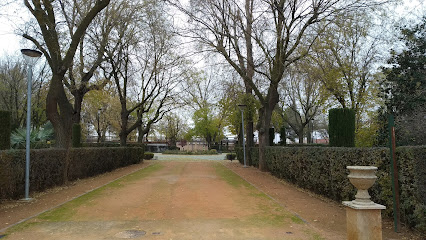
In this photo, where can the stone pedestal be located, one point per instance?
(364, 222)
(363, 216)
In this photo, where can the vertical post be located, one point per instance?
(31, 57)
(394, 174)
(244, 141)
(27, 148)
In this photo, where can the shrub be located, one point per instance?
(231, 156)
(204, 152)
(173, 148)
(38, 138)
(148, 155)
(5, 129)
(271, 136)
(76, 135)
(102, 144)
(342, 127)
(323, 171)
(283, 136)
(48, 166)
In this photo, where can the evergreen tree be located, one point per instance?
(404, 88)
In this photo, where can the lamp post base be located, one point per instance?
(26, 200)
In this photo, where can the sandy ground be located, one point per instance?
(179, 200)
(185, 200)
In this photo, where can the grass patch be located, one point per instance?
(315, 236)
(296, 219)
(230, 177)
(21, 226)
(67, 211)
(275, 220)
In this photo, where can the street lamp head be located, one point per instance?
(242, 106)
(31, 56)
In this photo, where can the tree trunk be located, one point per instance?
(300, 136)
(264, 123)
(265, 116)
(250, 74)
(123, 132)
(60, 112)
(250, 140)
(140, 134)
(78, 100)
(309, 135)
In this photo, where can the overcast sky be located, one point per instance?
(14, 15)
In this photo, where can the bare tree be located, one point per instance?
(59, 48)
(13, 94)
(282, 33)
(346, 57)
(90, 51)
(144, 66)
(302, 97)
(226, 27)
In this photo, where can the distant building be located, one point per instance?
(159, 146)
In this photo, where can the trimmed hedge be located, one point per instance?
(341, 123)
(101, 144)
(203, 152)
(323, 171)
(5, 129)
(148, 155)
(76, 135)
(112, 144)
(48, 166)
(231, 156)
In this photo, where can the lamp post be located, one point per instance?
(242, 107)
(99, 127)
(30, 57)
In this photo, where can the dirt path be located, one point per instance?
(326, 216)
(182, 200)
(12, 212)
(170, 200)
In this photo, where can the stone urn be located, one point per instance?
(362, 177)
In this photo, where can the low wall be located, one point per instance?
(48, 166)
(323, 171)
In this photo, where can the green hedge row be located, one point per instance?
(111, 144)
(48, 167)
(200, 152)
(148, 155)
(323, 171)
(5, 129)
(341, 124)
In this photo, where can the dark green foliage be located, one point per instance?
(323, 171)
(76, 135)
(383, 131)
(342, 127)
(271, 136)
(307, 145)
(148, 155)
(38, 138)
(111, 144)
(174, 148)
(405, 86)
(231, 156)
(254, 153)
(48, 166)
(103, 144)
(5, 129)
(204, 152)
(405, 83)
(283, 136)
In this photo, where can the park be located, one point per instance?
(216, 119)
